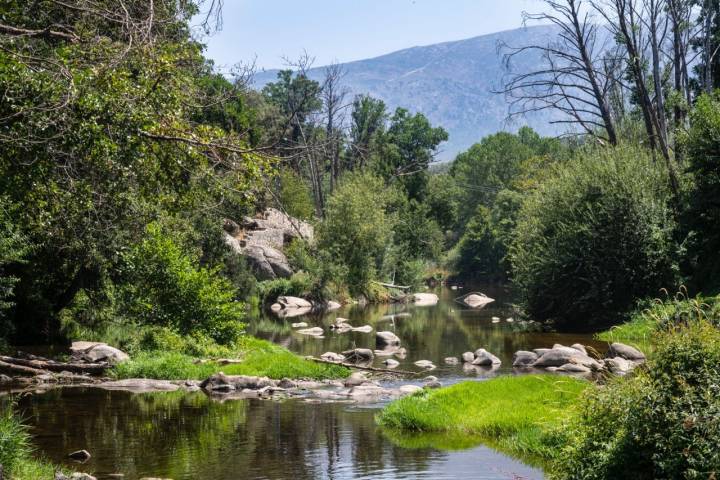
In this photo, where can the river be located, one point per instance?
(190, 436)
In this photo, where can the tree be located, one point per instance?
(368, 119)
(407, 149)
(574, 78)
(333, 95)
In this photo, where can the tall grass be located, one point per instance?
(16, 449)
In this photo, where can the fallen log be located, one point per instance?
(20, 369)
(45, 365)
(360, 367)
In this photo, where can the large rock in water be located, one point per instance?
(558, 356)
(523, 358)
(261, 240)
(287, 302)
(427, 299)
(359, 355)
(475, 300)
(484, 358)
(386, 339)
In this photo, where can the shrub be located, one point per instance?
(13, 247)
(295, 196)
(594, 238)
(662, 423)
(165, 287)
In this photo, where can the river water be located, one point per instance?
(190, 436)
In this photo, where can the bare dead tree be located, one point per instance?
(333, 95)
(639, 27)
(573, 79)
(680, 13)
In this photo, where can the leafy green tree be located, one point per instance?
(443, 200)
(357, 231)
(407, 149)
(296, 96)
(594, 238)
(13, 248)
(368, 118)
(295, 196)
(702, 218)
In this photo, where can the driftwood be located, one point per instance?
(44, 366)
(359, 367)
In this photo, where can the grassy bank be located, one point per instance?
(259, 358)
(16, 451)
(519, 415)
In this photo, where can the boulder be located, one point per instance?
(101, 353)
(391, 363)
(485, 358)
(332, 306)
(332, 357)
(540, 351)
(288, 302)
(580, 347)
(268, 263)
(468, 357)
(523, 358)
(432, 384)
(475, 300)
(425, 299)
(81, 347)
(451, 361)
(140, 385)
(625, 351)
(386, 339)
(294, 312)
(619, 365)
(358, 355)
(559, 356)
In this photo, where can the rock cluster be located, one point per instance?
(262, 238)
(619, 360)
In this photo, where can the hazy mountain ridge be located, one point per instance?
(452, 83)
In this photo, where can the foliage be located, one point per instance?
(356, 217)
(702, 145)
(594, 238)
(16, 451)
(480, 252)
(295, 196)
(166, 287)
(13, 248)
(662, 423)
(442, 199)
(521, 415)
(298, 285)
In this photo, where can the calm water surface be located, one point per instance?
(190, 436)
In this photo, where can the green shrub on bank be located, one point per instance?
(593, 238)
(165, 287)
(664, 422)
(520, 415)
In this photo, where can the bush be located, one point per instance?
(165, 287)
(295, 196)
(13, 247)
(662, 423)
(594, 238)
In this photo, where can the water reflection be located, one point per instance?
(180, 436)
(428, 333)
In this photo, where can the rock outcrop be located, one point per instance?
(261, 240)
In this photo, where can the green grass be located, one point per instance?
(522, 416)
(638, 332)
(16, 451)
(259, 358)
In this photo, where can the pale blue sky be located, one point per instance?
(346, 30)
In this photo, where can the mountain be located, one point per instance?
(451, 83)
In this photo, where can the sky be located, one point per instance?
(264, 32)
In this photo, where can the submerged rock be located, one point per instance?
(140, 385)
(332, 306)
(391, 363)
(314, 331)
(409, 389)
(425, 364)
(468, 357)
(80, 456)
(293, 302)
(451, 361)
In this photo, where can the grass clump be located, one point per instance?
(16, 449)
(519, 415)
(259, 358)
